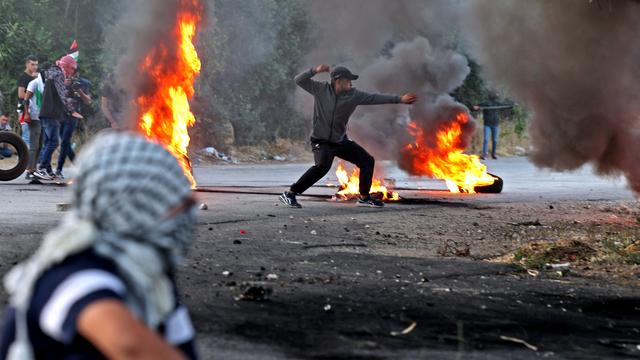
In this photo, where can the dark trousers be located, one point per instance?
(324, 154)
(51, 139)
(66, 133)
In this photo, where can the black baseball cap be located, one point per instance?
(341, 72)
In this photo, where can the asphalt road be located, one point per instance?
(344, 282)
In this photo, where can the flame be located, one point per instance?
(447, 159)
(350, 185)
(165, 112)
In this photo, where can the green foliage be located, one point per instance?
(250, 56)
(46, 29)
(520, 116)
(473, 91)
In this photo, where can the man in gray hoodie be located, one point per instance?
(334, 103)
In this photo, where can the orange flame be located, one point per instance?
(165, 112)
(447, 160)
(350, 185)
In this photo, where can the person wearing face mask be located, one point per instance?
(102, 284)
(57, 102)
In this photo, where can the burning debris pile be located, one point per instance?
(441, 155)
(431, 137)
(350, 185)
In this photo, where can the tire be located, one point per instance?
(16, 141)
(495, 188)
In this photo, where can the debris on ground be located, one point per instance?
(526, 223)
(562, 266)
(63, 207)
(254, 291)
(211, 153)
(204, 206)
(454, 248)
(406, 331)
(519, 341)
(540, 255)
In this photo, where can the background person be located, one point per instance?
(30, 72)
(491, 111)
(5, 149)
(112, 103)
(80, 87)
(57, 101)
(33, 103)
(102, 283)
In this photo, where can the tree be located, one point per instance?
(250, 55)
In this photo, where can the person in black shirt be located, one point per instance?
(30, 72)
(112, 103)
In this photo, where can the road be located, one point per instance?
(344, 282)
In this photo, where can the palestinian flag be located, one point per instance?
(73, 50)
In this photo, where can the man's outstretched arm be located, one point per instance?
(304, 79)
(379, 99)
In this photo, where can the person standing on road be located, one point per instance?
(112, 103)
(81, 89)
(102, 284)
(334, 103)
(56, 103)
(30, 72)
(32, 104)
(491, 111)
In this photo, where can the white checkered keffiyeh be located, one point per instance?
(124, 188)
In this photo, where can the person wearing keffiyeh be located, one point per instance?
(102, 285)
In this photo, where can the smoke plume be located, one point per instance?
(574, 63)
(396, 47)
(418, 67)
(144, 24)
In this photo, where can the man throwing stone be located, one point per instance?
(334, 103)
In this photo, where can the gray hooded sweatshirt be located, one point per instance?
(331, 112)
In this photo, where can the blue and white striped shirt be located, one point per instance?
(63, 292)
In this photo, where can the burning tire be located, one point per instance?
(12, 139)
(495, 188)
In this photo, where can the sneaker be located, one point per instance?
(52, 175)
(494, 157)
(289, 198)
(482, 157)
(28, 176)
(42, 175)
(59, 175)
(369, 201)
